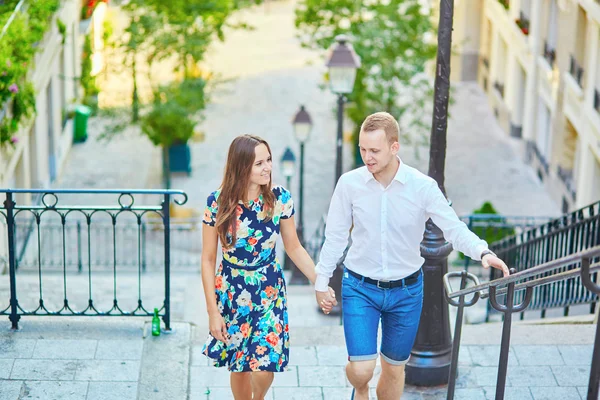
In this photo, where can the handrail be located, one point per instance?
(545, 280)
(546, 267)
(49, 191)
(503, 300)
(11, 18)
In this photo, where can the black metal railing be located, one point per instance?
(549, 54)
(494, 227)
(34, 217)
(576, 71)
(532, 149)
(513, 294)
(566, 177)
(185, 244)
(561, 237)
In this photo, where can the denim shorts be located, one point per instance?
(398, 309)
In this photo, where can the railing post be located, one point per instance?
(467, 258)
(79, 260)
(144, 246)
(167, 225)
(594, 380)
(461, 304)
(507, 309)
(9, 205)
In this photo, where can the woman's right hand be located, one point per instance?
(218, 327)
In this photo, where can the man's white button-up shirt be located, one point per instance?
(387, 225)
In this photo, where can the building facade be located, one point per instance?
(538, 61)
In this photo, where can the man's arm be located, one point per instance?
(457, 232)
(339, 221)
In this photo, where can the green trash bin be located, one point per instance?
(82, 113)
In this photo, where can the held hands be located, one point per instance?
(218, 327)
(326, 300)
(493, 261)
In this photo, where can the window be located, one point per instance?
(543, 130)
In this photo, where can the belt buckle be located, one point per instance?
(382, 287)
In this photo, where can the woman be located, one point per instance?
(246, 300)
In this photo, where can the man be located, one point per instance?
(386, 204)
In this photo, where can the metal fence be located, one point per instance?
(515, 293)
(97, 254)
(74, 236)
(572, 233)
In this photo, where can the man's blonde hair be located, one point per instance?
(385, 121)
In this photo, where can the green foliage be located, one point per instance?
(489, 232)
(394, 39)
(172, 117)
(62, 29)
(88, 82)
(184, 28)
(17, 49)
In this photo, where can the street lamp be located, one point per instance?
(342, 65)
(302, 127)
(429, 364)
(288, 168)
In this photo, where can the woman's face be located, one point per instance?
(262, 166)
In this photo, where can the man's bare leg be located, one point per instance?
(391, 381)
(359, 374)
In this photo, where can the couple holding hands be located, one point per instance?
(383, 206)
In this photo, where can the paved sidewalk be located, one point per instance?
(75, 358)
(115, 358)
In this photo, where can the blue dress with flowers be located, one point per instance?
(250, 290)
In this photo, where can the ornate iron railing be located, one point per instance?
(561, 237)
(185, 248)
(515, 293)
(50, 209)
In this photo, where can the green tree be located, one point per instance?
(188, 27)
(394, 39)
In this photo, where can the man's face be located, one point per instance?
(376, 152)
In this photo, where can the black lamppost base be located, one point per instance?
(428, 369)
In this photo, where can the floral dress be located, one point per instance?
(250, 290)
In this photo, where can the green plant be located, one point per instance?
(395, 40)
(171, 118)
(62, 29)
(88, 82)
(495, 227)
(17, 49)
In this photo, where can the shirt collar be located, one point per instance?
(400, 176)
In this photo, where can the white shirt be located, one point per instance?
(387, 225)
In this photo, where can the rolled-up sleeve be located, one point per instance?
(337, 229)
(455, 231)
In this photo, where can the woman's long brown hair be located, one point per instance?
(234, 187)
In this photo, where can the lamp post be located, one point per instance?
(429, 364)
(302, 127)
(342, 65)
(288, 168)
